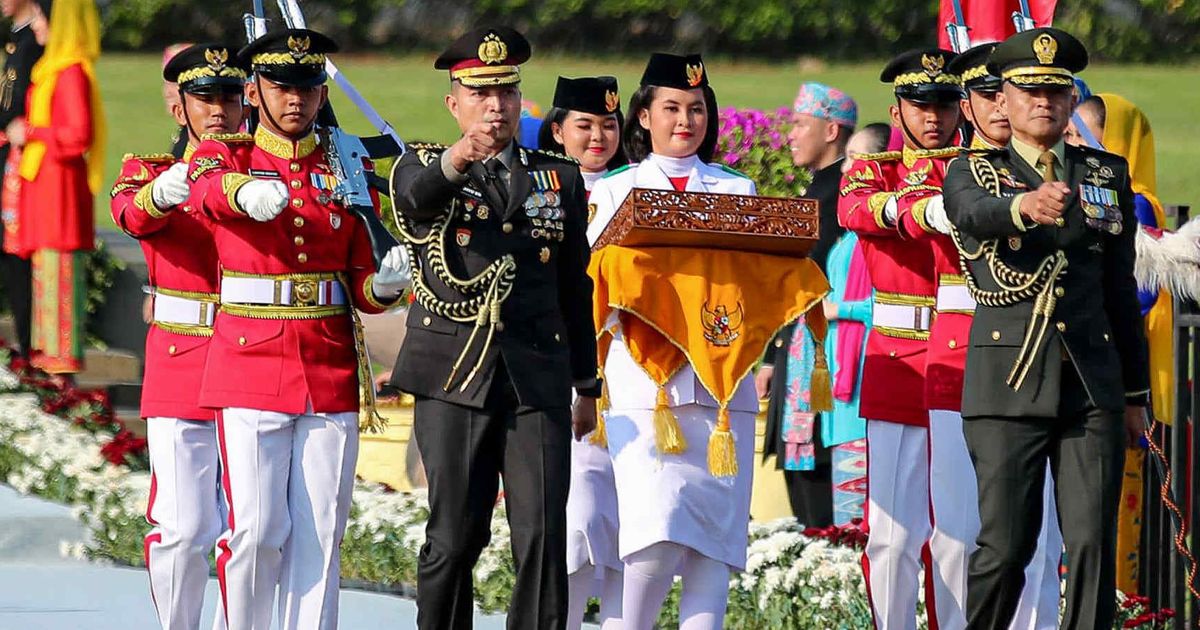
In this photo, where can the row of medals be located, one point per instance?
(545, 214)
(542, 208)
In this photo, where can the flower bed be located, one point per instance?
(795, 578)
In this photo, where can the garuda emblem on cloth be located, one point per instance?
(720, 325)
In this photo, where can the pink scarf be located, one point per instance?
(851, 334)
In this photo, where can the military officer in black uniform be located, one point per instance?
(1057, 363)
(499, 333)
(22, 51)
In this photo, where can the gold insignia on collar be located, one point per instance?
(933, 64)
(1045, 47)
(217, 58)
(695, 74)
(544, 255)
(493, 50)
(611, 101)
(298, 46)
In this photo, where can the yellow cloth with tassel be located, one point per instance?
(714, 310)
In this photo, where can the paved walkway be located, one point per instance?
(40, 590)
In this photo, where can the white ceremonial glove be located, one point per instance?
(890, 210)
(261, 199)
(935, 215)
(170, 188)
(394, 275)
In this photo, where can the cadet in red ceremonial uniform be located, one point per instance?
(893, 400)
(149, 203)
(284, 365)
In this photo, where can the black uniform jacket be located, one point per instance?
(1095, 324)
(544, 335)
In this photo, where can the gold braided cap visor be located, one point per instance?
(922, 78)
(487, 75)
(206, 72)
(287, 59)
(1038, 75)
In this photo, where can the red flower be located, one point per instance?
(123, 445)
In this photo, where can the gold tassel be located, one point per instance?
(369, 421)
(668, 437)
(820, 388)
(722, 455)
(600, 435)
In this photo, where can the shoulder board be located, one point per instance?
(153, 158)
(228, 138)
(885, 156)
(427, 146)
(983, 153)
(941, 153)
(1091, 151)
(731, 171)
(555, 155)
(619, 169)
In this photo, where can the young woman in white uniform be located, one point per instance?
(677, 518)
(585, 124)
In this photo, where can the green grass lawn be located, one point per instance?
(408, 92)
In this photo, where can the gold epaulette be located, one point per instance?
(939, 153)
(153, 158)
(427, 146)
(885, 156)
(558, 156)
(228, 138)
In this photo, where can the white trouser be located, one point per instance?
(288, 479)
(184, 510)
(897, 520)
(589, 582)
(954, 496)
(649, 574)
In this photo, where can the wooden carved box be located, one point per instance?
(667, 218)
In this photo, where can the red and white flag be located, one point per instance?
(991, 20)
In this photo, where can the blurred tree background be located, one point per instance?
(1115, 30)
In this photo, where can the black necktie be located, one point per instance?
(495, 181)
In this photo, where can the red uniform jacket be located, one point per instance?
(180, 257)
(57, 206)
(947, 354)
(894, 367)
(282, 365)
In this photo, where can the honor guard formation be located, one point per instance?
(955, 354)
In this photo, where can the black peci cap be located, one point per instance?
(921, 76)
(682, 72)
(294, 56)
(971, 69)
(1039, 57)
(591, 95)
(486, 56)
(207, 69)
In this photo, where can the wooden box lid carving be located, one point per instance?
(668, 218)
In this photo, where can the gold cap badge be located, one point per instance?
(695, 74)
(216, 58)
(298, 46)
(933, 64)
(493, 50)
(1045, 48)
(611, 101)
